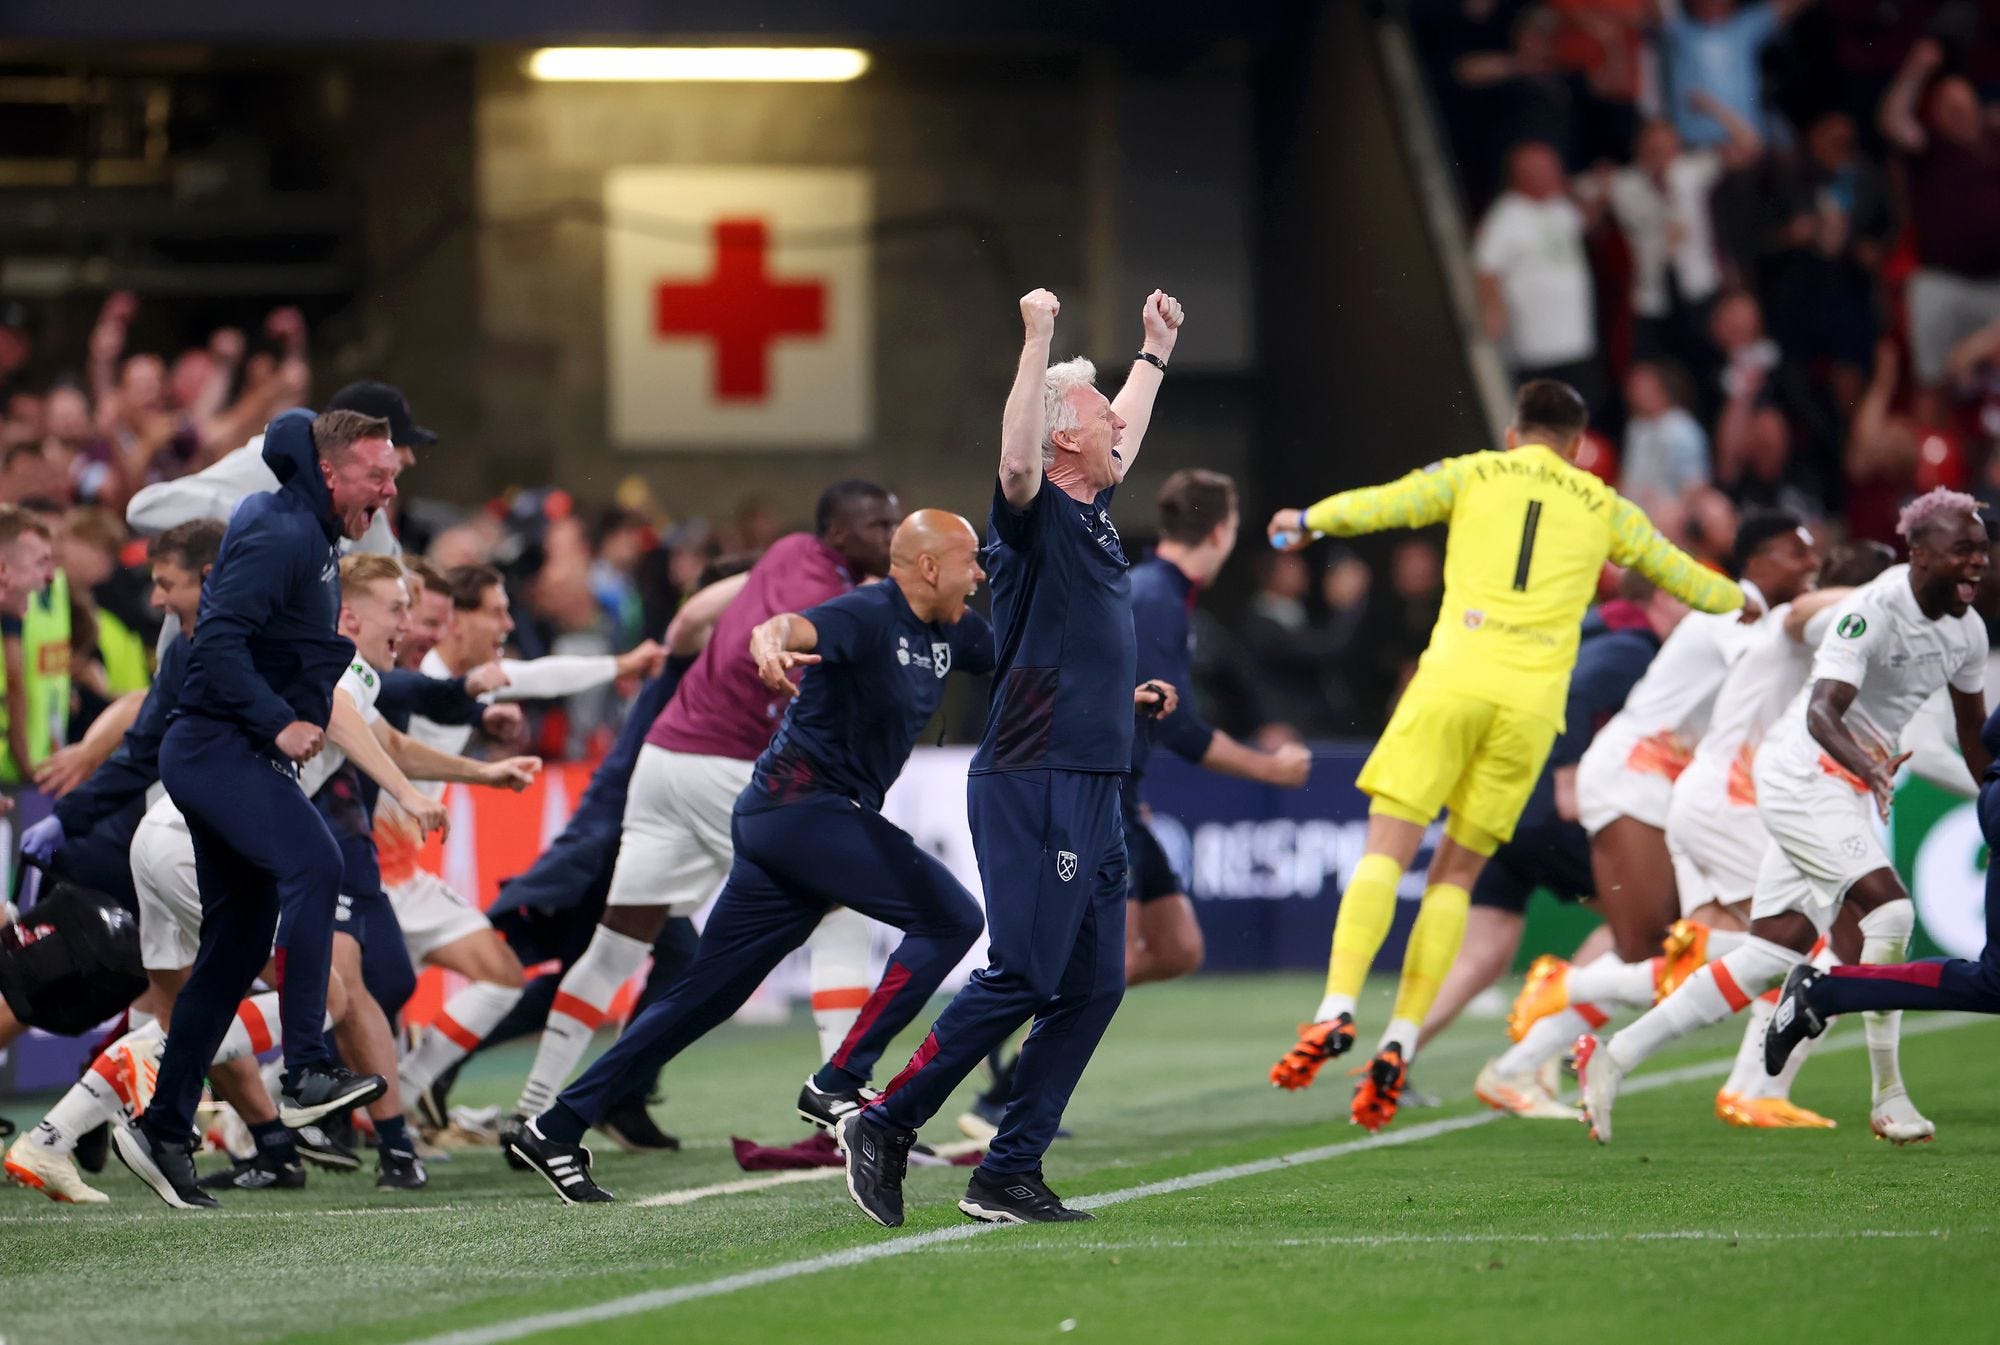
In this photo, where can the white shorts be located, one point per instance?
(1607, 788)
(1717, 845)
(432, 914)
(1824, 839)
(169, 896)
(676, 850)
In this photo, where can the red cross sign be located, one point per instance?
(741, 309)
(738, 307)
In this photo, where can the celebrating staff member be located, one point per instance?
(1197, 532)
(1043, 794)
(258, 695)
(809, 836)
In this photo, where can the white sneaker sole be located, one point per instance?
(977, 1128)
(1885, 1130)
(133, 1154)
(360, 1095)
(510, 1147)
(972, 1209)
(63, 1188)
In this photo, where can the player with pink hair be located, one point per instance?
(1825, 776)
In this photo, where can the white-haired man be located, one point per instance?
(1823, 776)
(1043, 797)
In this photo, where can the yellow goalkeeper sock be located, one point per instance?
(1367, 908)
(1434, 942)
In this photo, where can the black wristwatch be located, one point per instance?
(1152, 359)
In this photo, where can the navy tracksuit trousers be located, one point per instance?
(793, 864)
(1051, 848)
(1970, 985)
(267, 865)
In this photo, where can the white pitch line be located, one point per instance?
(205, 1216)
(745, 1185)
(1485, 1239)
(652, 1300)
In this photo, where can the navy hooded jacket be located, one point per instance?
(265, 653)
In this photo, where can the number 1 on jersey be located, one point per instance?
(1527, 556)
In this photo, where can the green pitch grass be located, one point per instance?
(1498, 1231)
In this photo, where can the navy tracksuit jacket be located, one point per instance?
(264, 655)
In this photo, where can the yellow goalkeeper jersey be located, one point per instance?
(1529, 535)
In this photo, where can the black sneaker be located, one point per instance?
(399, 1170)
(631, 1127)
(167, 1168)
(826, 1110)
(93, 1148)
(1794, 1019)
(260, 1173)
(512, 1128)
(321, 1145)
(1016, 1198)
(878, 1156)
(566, 1167)
(309, 1094)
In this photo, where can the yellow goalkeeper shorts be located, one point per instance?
(1445, 751)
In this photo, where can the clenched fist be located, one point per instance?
(486, 679)
(1291, 764)
(1038, 312)
(301, 741)
(515, 773)
(1161, 317)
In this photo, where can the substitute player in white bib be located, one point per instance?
(442, 927)
(375, 615)
(1824, 776)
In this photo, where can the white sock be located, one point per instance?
(101, 1095)
(1723, 942)
(253, 1031)
(459, 1028)
(582, 1000)
(1607, 981)
(839, 976)
(89, 1103)
(1762, 1084)
(1548, 1039)
(1746, 1076)
(1333, 1006)
(1404, 1033)
(1709, 996)
(1885, 937)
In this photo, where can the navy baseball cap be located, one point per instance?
(384, 402)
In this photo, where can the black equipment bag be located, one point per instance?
(71, 960)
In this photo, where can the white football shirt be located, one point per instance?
(364, 685)
(1895, 657)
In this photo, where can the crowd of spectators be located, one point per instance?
(1762, 238)
(83, 431)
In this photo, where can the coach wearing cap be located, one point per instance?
(215, 491)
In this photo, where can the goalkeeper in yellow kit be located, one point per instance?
(1529, 536)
